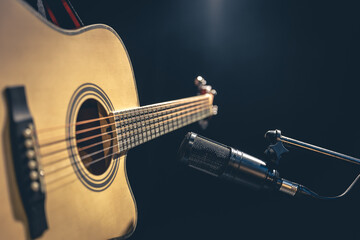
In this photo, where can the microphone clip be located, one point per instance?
(275, 150)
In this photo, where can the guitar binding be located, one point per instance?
(28, 171)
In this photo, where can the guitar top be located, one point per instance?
(69, 114)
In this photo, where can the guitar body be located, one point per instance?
(53, 65)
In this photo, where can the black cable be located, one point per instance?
(306, 191)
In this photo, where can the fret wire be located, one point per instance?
(174, 121)
(132, 135)
(136, 129)
(179, 102)
(133, 129)
(123, 131)
(152, 132)
(161, 123)
(143, 125)
(141, 140)
(130, 118)
(162, 127)
(170, 125)
(136, 137)
(147, 124)
(157, 128)
(166, 126)
(187, 118)
(118, 131)
(121, 123)
(201, 108)
(177, 120)
(136, 124)
(175, 104)
(127, 129)
(126, 140)
(129, 125)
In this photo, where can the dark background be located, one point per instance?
(290, 65)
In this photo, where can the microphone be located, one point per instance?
(231, 164)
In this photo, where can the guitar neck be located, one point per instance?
(139, 125)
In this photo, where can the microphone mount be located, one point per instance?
(231, 164)
(278, 143)
(277, 148)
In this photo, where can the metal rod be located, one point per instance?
(314, 148)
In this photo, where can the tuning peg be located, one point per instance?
(200, 81)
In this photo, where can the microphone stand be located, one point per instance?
(277, 148)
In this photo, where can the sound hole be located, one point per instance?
(95, 139)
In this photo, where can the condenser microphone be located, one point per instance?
(231, 164)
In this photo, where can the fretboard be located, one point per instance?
(139, 125)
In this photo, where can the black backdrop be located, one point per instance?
(291, 65)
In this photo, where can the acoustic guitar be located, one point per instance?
(68, 115)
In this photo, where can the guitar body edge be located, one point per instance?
(53, 64)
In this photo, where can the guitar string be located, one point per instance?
(148, 126)
(47, 143)
(120, 128)
(43, 130)
(109, 155)
(190, 99)
(48, 182)
(111, 124)
(86, 164)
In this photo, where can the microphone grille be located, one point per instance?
(204, 154)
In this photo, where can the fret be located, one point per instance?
(196, 113)
(142, 126)
(154, 115)
(151, 121)
(140, 130)
(135, 133)
(170, 120)
(122, 131)
(126, 134)
(131, 128)
(159, 117)
(161, 120)
(153, 118)
(183, 117)
(193, 119)
(136, 128)
(147, 125)
(190, 117)
(177, 120)
(139, 125)
(118, 131)
(187, 117)
(173, 119)
(126, 131)
(157, 127)
(166, 125)
(159, 113)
